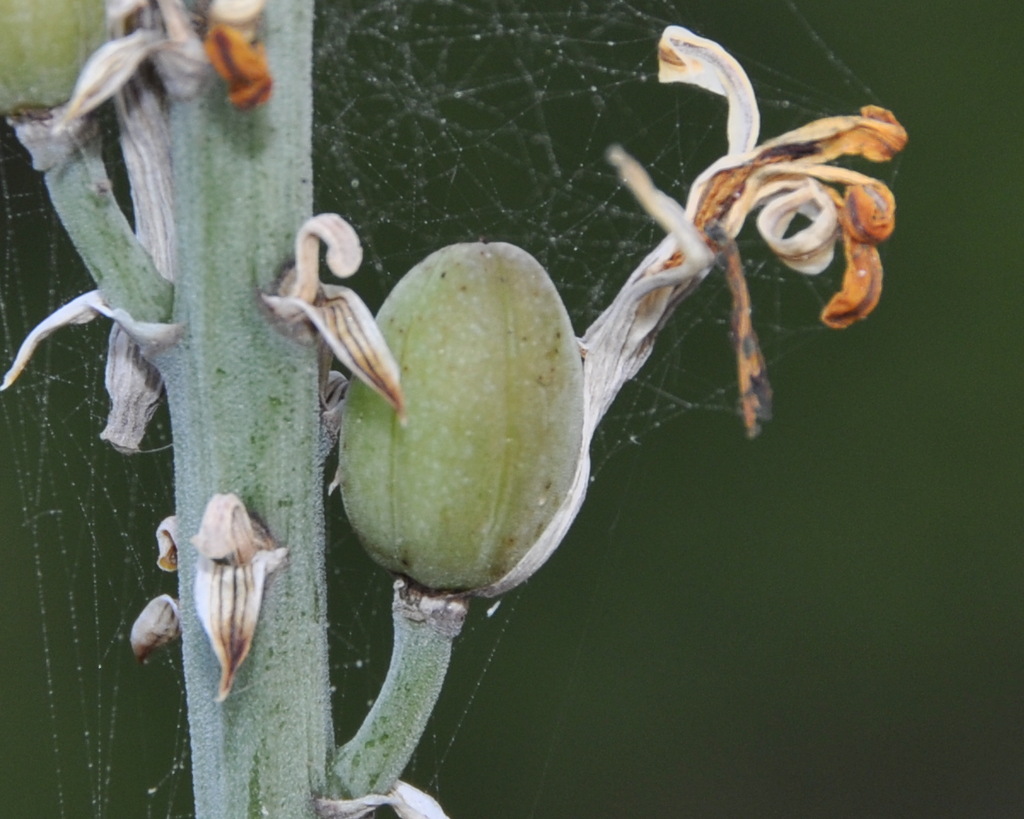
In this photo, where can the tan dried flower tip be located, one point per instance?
(158, 624)
(243, 15)
(236, 556)
(342, 319)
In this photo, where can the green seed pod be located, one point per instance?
(43, 44)
(493, 384)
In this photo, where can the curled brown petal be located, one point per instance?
(862, 287)
(870, 213)
(241, 63)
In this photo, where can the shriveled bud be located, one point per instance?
(158, 624)
(43, 45)
(493, 382)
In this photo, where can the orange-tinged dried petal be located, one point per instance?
(875, 134)
(241, 63)
(862, 287)
(870, 213)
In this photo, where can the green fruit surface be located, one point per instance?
(43, 45)
(493, 385)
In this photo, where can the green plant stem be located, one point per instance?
(84, 200)
(425, 628)
(245, 415)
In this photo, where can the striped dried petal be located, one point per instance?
(348, 327)
(228, 600)
(151, 337)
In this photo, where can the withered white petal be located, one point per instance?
(344, 253)
(135, 388)
(158, 624)
(661, 207)
(167, 544)
(77, 311)
(152, 337)
(412, 803)
(107, 70)
(810, 249)
(686, 57)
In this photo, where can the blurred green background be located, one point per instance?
(825, 622)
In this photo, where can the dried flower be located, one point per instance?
(236, 556)
(785, 176)
(342, 319)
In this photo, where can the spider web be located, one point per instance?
(437, 122)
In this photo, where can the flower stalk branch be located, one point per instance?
(425, 627)
(83, 197)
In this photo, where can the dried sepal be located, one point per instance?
(158, 624)
(228, 600)
(167, 544)
(135, 388)
(862, 287)
(236, 556)
(688, 58)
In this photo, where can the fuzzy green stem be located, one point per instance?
(245, 414)
(425, 628)
(84, 200)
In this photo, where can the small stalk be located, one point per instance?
(83, 197)
(425, 628)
